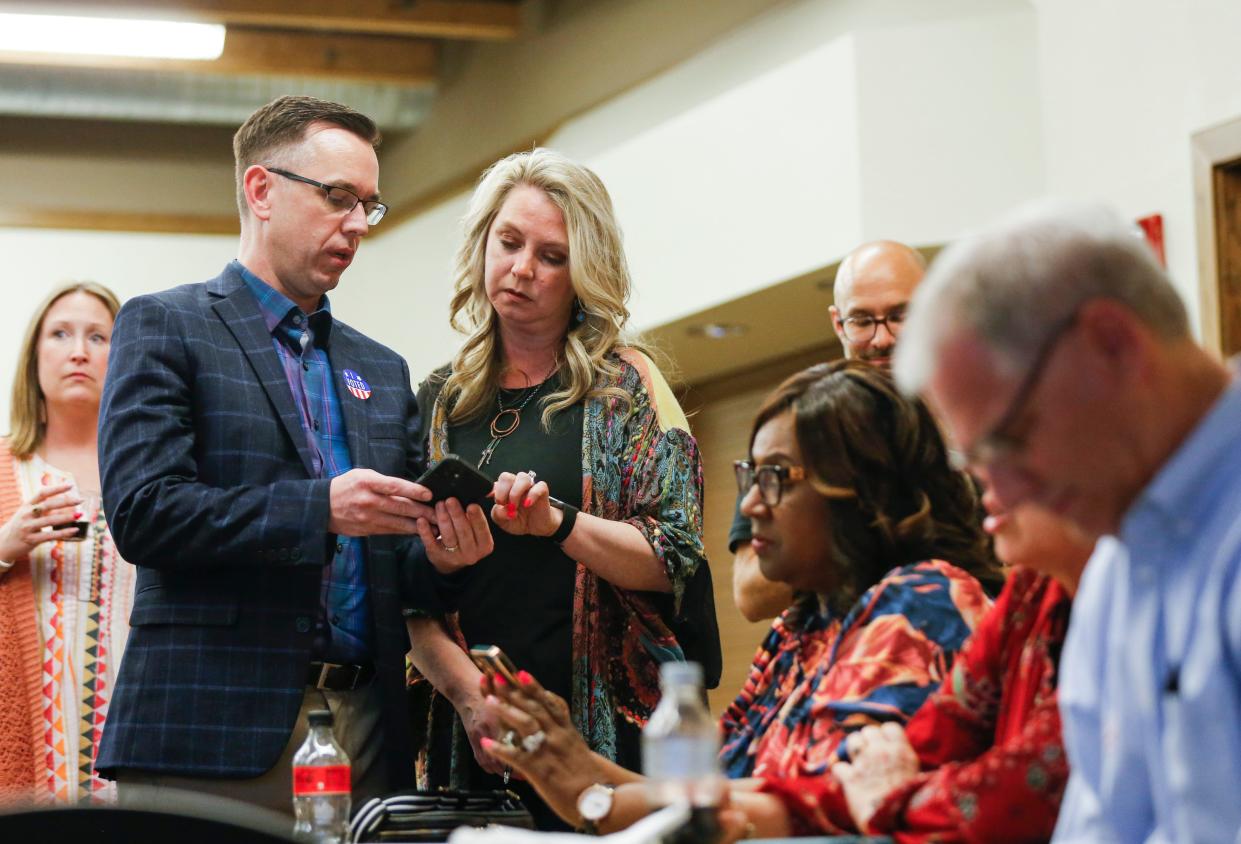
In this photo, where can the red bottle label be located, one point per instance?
(320, 779)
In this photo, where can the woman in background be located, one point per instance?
(65, 594)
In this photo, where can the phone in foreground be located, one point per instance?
(452, 477)
(492, 661)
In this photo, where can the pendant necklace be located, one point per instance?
(506, 421)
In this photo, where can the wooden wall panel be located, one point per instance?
(1227, 180)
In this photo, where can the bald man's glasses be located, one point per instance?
(861, 328)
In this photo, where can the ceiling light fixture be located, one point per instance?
(65, 35)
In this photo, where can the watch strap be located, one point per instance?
(566, 523)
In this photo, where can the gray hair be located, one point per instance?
(1012, 283)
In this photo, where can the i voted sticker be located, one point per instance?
(357, 384)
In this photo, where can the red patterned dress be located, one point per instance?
(818, 676)
(989, 744)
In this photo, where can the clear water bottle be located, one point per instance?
(680, 751)
(321, 784)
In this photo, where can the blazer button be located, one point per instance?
(302, 624)
(296, 553)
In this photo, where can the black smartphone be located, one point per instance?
(452, 477)
(492, 661)
(82, 528)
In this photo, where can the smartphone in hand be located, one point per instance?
(452, 477)
(492, 661)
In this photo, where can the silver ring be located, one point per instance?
(509, 739)
(508, 773)
(534, 741)
(534, 476)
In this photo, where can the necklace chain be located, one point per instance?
(498, 430)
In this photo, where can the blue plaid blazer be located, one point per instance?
(208, 487)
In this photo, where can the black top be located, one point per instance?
(520, 597)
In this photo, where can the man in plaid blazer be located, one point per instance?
(256, 458)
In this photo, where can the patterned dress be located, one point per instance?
(988, 740)
(817, 677)
(83, 592)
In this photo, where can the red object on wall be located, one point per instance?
(1152, 227)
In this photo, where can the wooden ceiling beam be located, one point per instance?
(269, 52)
(489, 20)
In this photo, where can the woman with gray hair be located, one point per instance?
(548, 395)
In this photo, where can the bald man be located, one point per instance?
(873, 286)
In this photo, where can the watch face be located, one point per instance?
(595, 803)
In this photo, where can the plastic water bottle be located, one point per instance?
(680, 751)
(321, 784)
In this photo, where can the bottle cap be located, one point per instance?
(680, 673)
(319, 718)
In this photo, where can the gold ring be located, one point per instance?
(37, 511)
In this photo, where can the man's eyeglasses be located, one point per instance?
(1000, 443)
(771, 479)
(861, 328)
(342, 200)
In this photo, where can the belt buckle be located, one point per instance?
(324, 672)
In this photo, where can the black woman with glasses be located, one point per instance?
(854, 505)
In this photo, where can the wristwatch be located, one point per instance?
(594, 804)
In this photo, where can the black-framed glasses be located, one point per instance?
(1001, 443)
(860, 328)
(771, 479)
(342, 200)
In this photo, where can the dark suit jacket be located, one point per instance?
(208, 489)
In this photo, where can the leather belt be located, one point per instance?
(338, 678)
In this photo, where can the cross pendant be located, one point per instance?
(485, 458)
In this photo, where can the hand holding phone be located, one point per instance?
(492, 661)
(452, 477)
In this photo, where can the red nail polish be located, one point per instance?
(499, 680)
(487, 743)
(527, 503)
(524, 677)
(512, 511)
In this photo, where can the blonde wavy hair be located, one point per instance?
(27, 424)
(597, 268)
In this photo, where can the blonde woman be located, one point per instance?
(549, 397)
(65, 594)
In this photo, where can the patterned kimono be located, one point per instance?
(817, 677)
(988, 740)
(642, 467)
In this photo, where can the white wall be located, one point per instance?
(1125, 83)
(949, 123)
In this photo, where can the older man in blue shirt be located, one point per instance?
(1059, 357)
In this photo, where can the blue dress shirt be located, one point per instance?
(302, 342)
(1150, 688)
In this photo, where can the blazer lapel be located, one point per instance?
(240, 312)
(345, 355)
